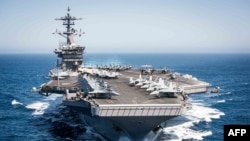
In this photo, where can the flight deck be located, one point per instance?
(127, 94)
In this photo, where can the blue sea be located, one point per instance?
(25, 115)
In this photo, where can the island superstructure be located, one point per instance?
(70, 53)
(118, 100)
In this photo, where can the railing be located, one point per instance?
(137, 110)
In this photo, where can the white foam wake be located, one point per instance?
(49, 102)
(15, 102)
(179, 128)
(221, 101)
(39, 107)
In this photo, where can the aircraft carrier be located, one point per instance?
(118, 100)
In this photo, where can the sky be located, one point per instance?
(128, 26)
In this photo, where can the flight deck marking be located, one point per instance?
(110, 101)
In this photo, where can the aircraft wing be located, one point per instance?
(97, 91)
(104, 92)
(115, 93)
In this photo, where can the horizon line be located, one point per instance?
(47, 53)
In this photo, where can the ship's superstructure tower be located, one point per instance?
(70, 53)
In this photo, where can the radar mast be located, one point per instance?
(68, 21)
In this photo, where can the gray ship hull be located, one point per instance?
(133, 122)
(139, 127)
(134, 127)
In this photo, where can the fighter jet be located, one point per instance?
(168, 91)
(133, 82)
(103, 93)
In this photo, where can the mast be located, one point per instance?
(70, 53)
(68, 21)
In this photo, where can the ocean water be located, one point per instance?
(25, 115)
